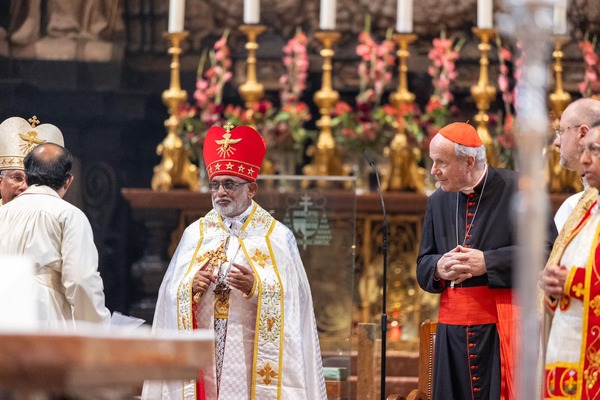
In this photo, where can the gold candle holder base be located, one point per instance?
(175, 168)
(484, 93)
(326, 155)
(404, 172)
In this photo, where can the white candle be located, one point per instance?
(484, 14)
(251, 11)
(176, 15)
(560, 17)
(327, 16)
(404, 16)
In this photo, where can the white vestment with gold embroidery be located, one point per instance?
(272, 348)
(565, 375)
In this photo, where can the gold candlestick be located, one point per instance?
(484, 93)
(326, 155)
(251, 91)
(175, 168)
(404, 172)
(559, 99)
(560, 180)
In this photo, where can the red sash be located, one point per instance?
(481, 305)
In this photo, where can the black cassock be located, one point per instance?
(467, 358)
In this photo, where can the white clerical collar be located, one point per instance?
(472, 189)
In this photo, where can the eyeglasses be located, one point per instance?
(559, 132)
(593, 149)
(17, 178)
(229, 186)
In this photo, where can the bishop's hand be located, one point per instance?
(241, 278)
(202, 280)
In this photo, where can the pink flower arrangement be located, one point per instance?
(443, 55)
(196, 119)
(508, 86)
(287, 128)
(368, 124)
(590, 85)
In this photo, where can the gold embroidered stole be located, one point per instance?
(564, 237)
(588, 382)
(268, 340)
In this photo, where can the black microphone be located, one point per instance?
(384, 248)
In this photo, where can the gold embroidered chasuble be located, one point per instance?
(271, 343)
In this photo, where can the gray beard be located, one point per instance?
(232, 210)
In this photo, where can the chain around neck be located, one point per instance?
(468, 229)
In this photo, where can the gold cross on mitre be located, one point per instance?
(228, 127)
(30, 138)
(33, 121)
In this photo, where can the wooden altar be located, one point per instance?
(106, 365)
(162, 217)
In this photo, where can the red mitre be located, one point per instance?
(239, 152)
(461, 133)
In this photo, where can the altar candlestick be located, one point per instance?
(404, 16)
(327, 16)
(176, 15)
(485, 14)
(251, 12)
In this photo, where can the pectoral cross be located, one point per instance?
(222, 300)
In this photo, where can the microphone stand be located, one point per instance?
(384, 247)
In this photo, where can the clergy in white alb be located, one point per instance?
(237, 272)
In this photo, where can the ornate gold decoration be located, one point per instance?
(175, 168)
(484, 93)
(33, 121)
(404, 172)
(267, 373)
(559, 99)
(260, 258)
(560, 179)
(251, 91)
(326, 155)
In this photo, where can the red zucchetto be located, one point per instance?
(239, 152)
(461, 133)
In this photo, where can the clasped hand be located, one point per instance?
(552, 280)
(460, 264)
(240, 278)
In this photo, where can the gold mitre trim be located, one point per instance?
(18, 137)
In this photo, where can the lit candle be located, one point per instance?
(485, 14)
(404, 16)
(251, 11)
(560, 17)
(176, 15)
(327, 16)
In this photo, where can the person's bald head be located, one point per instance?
(575, 122)
(50, 165)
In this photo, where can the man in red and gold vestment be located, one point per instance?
(237, 272)
(572, 288)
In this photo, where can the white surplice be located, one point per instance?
(272, 349)
(58, 238)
